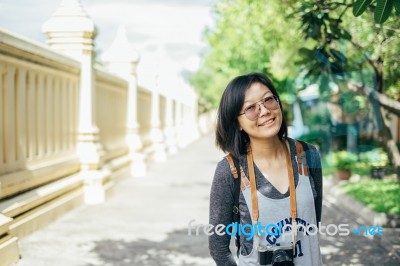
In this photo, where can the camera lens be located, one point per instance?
(281, 258)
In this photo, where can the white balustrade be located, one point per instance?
(69, 127)
(38, 117)
(111, 106)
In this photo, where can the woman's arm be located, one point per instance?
(221, 204)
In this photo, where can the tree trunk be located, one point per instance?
(378, 68)
(379, 100)
(385, 134)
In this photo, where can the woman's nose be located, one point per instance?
(263, 109)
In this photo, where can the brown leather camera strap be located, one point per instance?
(253, 186)
(232, 166)
(292, 189)
(292, 186)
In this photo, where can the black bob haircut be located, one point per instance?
(229, 137)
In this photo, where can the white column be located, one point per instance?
(156, 134)
(193, 118)
(179, 127)
(122, 60)
(169, 131)
(186, 132)
(71, 31)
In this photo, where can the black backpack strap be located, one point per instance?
(235, 166)
(313, 176)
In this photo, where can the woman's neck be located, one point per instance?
(267, 149)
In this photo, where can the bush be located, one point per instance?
(374, 158)
(361, 164)
(380, 196)
(343, 160)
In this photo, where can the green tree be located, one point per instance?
(345, 48)
(248, 36)
(342, 44)
(381, 8)
(300, 42)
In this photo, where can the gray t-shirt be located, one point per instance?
(221, 200)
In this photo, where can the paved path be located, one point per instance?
(145, 223)
(354, 249)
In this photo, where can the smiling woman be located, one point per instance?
(257, 182)
(242, 110)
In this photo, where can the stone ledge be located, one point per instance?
(43, 215)
(29, 200)
(9, 252)
(5, 223)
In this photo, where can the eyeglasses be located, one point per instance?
(253, 111)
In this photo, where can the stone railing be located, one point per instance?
(39, 94)
(38, 114)
(69, 128)
(111, 110)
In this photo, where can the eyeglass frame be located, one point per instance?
(276, 98)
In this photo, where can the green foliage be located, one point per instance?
(317, 41)
(248, 36)
(316, 137)
(397, 6)
(381, 196)
(352, 103)
(374, 158)
(341, 44)
(327, 168)
(360, 163)
(341, 159)
(315, 119)
(375, 50)
(321, 24)
(360, 6)
(383, 10)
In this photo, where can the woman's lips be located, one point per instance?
(268, 122)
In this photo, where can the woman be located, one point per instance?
(251, 127)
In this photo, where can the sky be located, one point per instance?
(167, 31)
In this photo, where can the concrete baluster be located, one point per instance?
(169, 131)
(71, 31)
(122, 60)
(156, 134)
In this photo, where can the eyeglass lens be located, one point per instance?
(253, 111)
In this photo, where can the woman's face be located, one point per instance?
(268, 122)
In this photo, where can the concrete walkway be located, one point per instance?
(145, 222)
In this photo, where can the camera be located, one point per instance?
(279, 255)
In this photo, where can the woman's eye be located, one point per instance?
(250, 108)
(269, 99)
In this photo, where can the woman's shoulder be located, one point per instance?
(223, 168)
(223, 164)
(223, 179)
